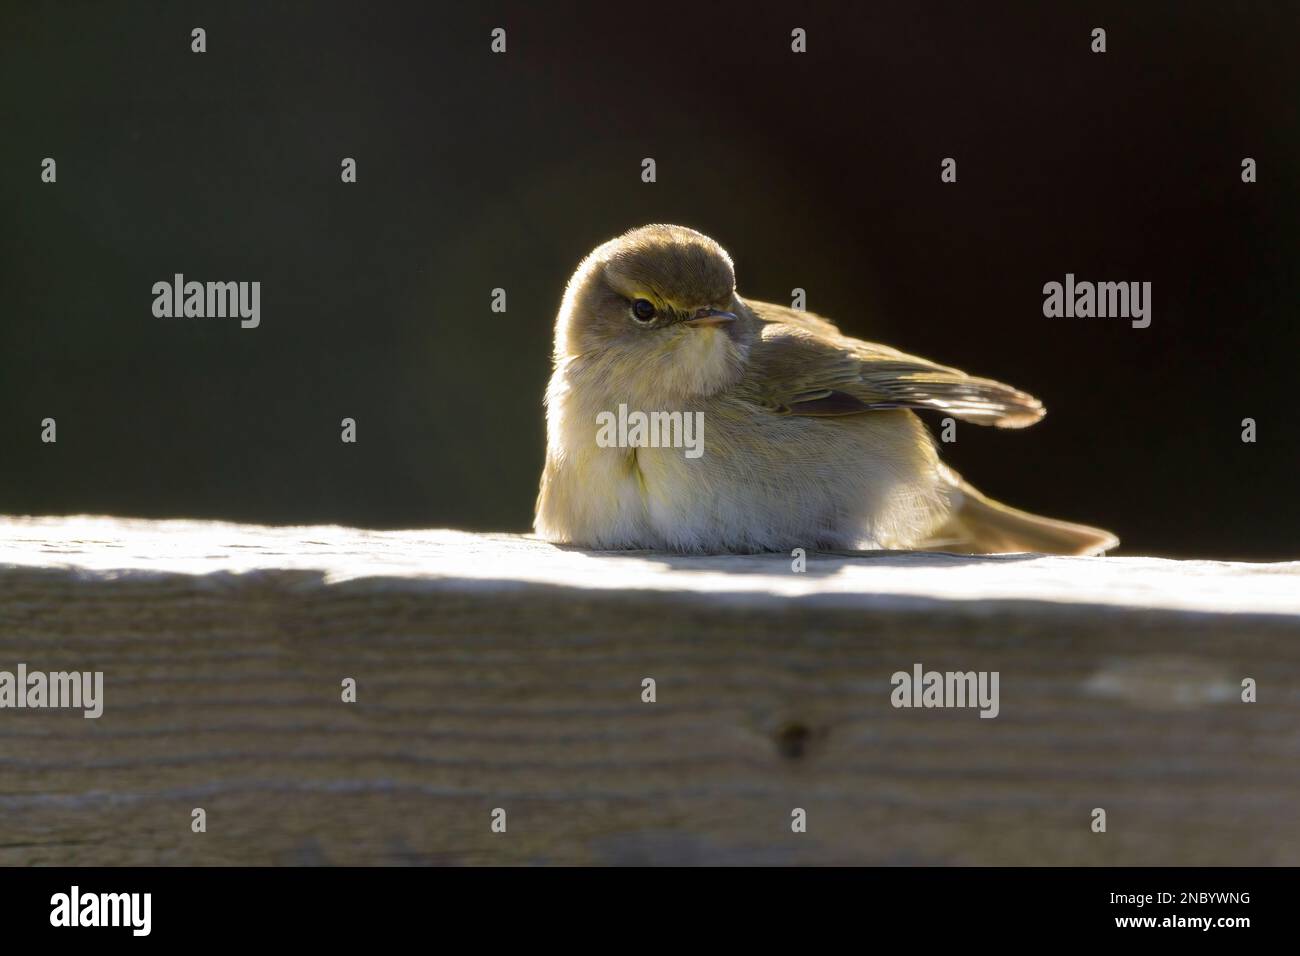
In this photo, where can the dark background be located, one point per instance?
(478, 170)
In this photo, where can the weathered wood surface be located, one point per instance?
(499, 671)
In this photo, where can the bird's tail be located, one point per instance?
(980, 525)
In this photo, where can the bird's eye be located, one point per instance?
(643, 310)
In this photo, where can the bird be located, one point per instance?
(809, 438)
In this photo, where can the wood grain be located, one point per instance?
(498, 671)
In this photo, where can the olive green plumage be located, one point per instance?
(809, 436)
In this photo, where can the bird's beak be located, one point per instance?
(711, 317)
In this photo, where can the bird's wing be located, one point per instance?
(808, 321)
(802, 369)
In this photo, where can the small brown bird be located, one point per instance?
(683, 417)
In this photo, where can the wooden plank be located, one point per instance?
(499, 671)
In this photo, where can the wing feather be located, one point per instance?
(805, 366)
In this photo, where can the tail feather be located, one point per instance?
(980, 525)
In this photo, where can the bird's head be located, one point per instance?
(657, 308)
